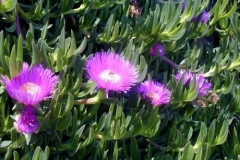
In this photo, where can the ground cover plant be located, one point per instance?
(119, 79)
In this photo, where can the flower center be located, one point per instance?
(109, 75)
(154, 96)
(30, 88)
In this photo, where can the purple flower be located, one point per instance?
(134, 1)
(26, 121)
(156, 92)
(157, 48)
(184, 4)
(202, 84)
(111, 72)
(204, 18)
(32, 85)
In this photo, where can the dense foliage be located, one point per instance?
(198, 39)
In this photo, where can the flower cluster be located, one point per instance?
(109, 71)
(202, 84)
(29, 87)
(112, 72)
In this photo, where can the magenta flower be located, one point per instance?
(202, 84)
(26, 121)
(157, 48)
(156, 92)
(32, 85)
(111, 72)
(204, 18)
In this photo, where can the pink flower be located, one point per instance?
(111, 72)
(156, 92)
(32, 85)
(26, 121)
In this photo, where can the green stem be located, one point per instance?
(93, 100)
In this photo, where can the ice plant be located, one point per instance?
(26, 121)
(157, 48)
(202, 84)
(110, 71)
(32, 85)
(156, 92)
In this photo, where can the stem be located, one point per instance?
(171, 63)
(155, 144)
(99, 136)
(93, 100)
(19, 31)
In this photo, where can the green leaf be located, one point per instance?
(142, 68)
(201, 137)
(7, 5)
(115, 151)
(188, 152)
(64, 122)
(15, 155)
(166, 157)
(69, 105)
(37, 152)
(211, 133)
(134, 149)
(221, 138)
(36, 59)
(12, 63)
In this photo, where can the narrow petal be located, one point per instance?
(156, 92)
(32, 85)
(26, 121)
(111, 72)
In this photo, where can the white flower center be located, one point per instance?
(109, 75)
(30, 88)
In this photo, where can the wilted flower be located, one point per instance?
(32, 85)
(157, 48)
(201, 83)
(158, 93)
(111, 72)
(26, 121)
(204, 18)
(135, 10)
